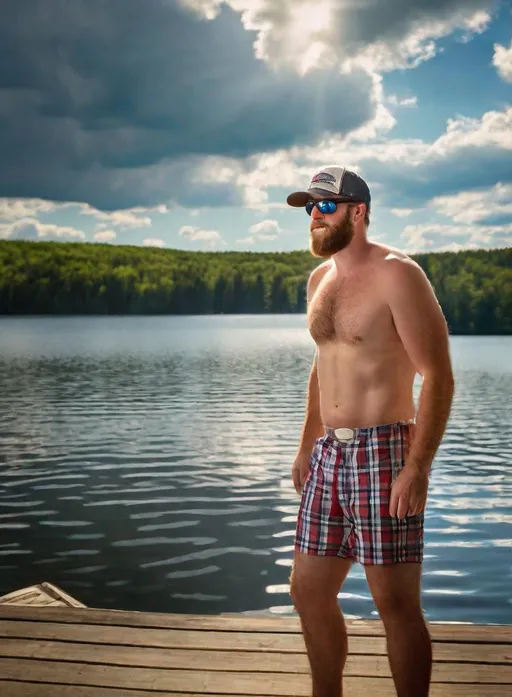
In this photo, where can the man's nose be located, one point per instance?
(315, 213)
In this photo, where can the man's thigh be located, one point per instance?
(316, 576)
(396, 588)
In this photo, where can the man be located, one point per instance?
(365, 455)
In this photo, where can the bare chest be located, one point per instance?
(349, 313)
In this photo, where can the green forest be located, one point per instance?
(474, 287)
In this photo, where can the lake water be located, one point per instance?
(145, 464)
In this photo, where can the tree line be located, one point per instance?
(474, 287)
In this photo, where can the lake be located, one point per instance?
(145, 464)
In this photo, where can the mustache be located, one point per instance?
(313, 226)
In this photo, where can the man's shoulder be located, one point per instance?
(316, 276)
(319, 271)
(399, 273)
(394, 263)
(391, 256)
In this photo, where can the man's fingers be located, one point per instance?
(393, 504)
(403, 506)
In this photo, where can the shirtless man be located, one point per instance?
(365, 454)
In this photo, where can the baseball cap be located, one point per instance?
(333, 182)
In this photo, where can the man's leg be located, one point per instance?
(314, 586)
(396, 591)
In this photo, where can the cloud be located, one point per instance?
(402, 212)
(433, 237)
(153, 242)
(124, 219)
(211, 239)
(10, 209)
(264, 231)
(32, 229)
(482, 206)
(456, 247)
(502, 61)
(270, 228)
(402, 173)
(105, 235)
(376, 35)
(405, 102)
(117, 104)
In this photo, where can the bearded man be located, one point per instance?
(365, 452)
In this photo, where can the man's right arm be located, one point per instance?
(312, 427)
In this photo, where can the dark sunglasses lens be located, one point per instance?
(327, 206)
(323, 206)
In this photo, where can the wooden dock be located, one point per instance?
(41, 595)
(61, 651)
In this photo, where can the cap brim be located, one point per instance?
(299, 198)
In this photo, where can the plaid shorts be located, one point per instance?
(344, 510)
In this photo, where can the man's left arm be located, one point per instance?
(423, 330)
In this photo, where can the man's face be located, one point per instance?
(330, 233)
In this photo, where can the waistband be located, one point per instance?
(348, 434)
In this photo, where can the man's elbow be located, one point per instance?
(441, 378)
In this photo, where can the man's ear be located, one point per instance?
(359, 214)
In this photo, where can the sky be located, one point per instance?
(185, 124)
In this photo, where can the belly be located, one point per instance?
(361, 387)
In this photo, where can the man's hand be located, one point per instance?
(300, 471)
(409, 492)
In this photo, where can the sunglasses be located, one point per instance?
(323, 206)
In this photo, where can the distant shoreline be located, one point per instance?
(474, 287)
(210, 315)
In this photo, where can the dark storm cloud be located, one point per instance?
(107, 101)
(373, 20)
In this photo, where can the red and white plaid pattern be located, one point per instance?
(344, 509)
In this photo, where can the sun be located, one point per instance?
(310, 23)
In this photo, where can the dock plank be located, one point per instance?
(42, 595)
(276, 625)
(232, 641)
(236, 661)
(352, 688)
(10, 688)
(210, 682)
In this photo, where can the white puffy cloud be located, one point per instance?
(502, 60)
(401, 173)
(432, 236)
(266, 229)
(105, 235)
(456, 247)
(211, 239)
(478, 206)
(123, 219)
(411, 102)
(311, 34)
(402, 212)
(153, 242)
(493, 129)
(32, 229)
(10, 209)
